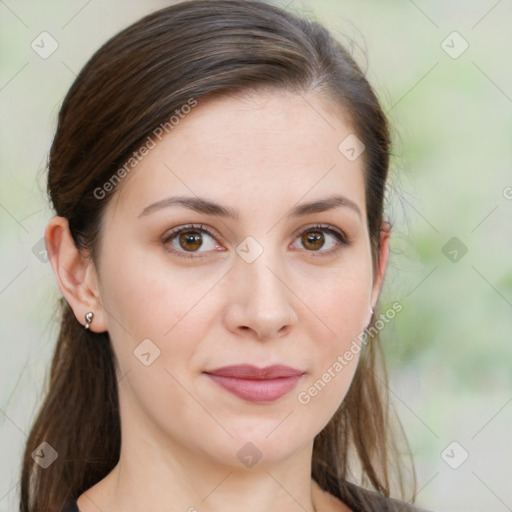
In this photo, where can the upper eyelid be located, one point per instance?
(324, 227)
(199, 227)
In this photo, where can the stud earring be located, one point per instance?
(371, 311)
(88, 319)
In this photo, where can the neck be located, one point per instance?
(148, 477)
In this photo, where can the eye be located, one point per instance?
(186, 241)
(189, 239)
(319, 237)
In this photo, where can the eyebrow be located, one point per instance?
(208, 207)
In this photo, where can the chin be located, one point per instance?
(260, 446)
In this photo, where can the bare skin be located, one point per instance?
(300, 303)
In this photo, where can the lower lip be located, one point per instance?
(266, 390)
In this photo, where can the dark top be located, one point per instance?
(70, 506)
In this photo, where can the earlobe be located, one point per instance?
(75, 273)
(385, 233)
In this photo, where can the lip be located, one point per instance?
(256, 384)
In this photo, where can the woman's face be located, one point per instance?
(256, 280)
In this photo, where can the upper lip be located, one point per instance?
(247, 371)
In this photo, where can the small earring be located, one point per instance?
(88, 319)
(371, 311)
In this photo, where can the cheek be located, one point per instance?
(147, 298)
(322, 395)
(342, 304)
(342, 301)
(334, 363)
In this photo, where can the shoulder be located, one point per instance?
(358, 499)
(364, 500)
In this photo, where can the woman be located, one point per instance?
(218, 177)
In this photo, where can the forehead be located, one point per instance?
(246, 148)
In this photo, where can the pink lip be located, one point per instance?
(257, 384)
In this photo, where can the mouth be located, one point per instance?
(254, 384)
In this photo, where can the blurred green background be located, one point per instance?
(443, 73)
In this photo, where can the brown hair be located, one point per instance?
(130, 86)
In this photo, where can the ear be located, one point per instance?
(76, 274)
(378, 280)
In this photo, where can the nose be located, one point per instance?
(260, 303)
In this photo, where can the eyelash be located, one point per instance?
(341, 237)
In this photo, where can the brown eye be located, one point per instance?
(313, 240)
(321, 240)
(190, 240)
(187, 240)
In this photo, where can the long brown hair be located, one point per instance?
(129, 87)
